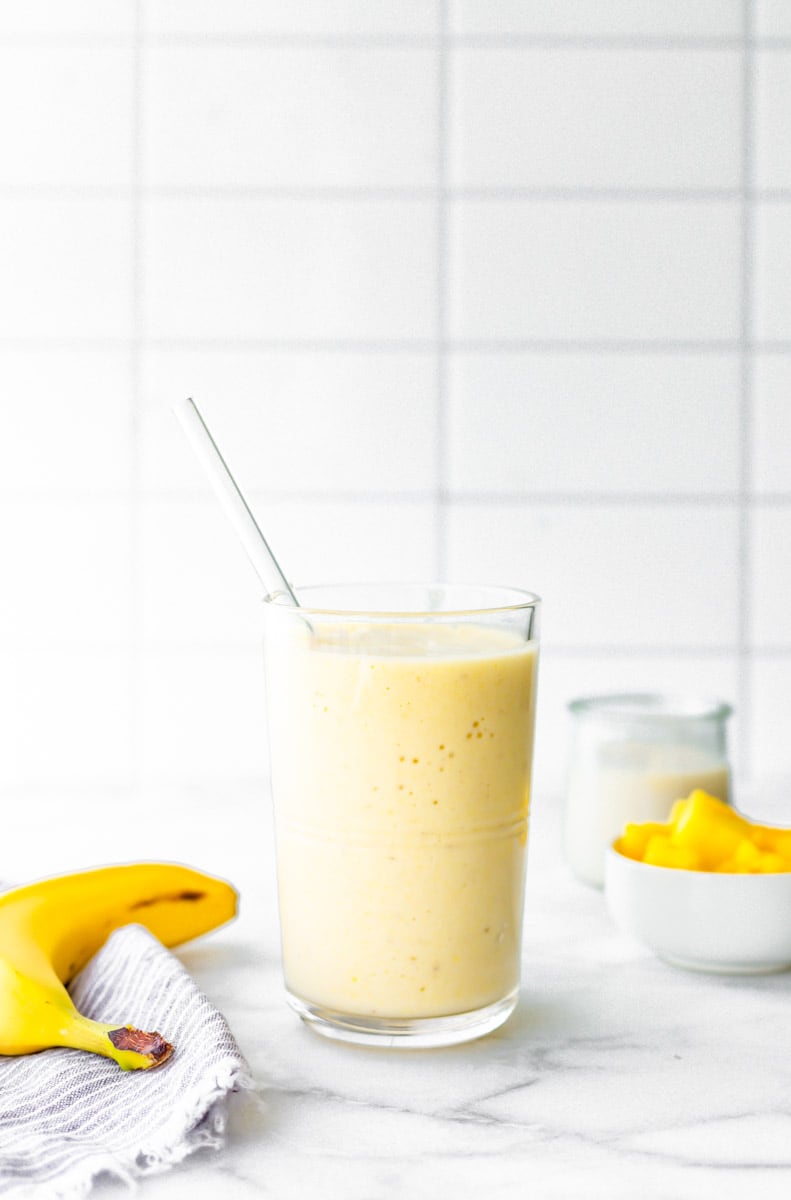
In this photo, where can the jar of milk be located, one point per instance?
(632, 757)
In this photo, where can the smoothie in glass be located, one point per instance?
(401, 748)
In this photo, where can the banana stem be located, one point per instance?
(131, 1048)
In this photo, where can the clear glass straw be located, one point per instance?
(232, 501)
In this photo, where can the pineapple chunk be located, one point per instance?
(710, 829)
(662, 851)
(703, 834)
(634, 839)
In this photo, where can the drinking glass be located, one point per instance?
(401, 732)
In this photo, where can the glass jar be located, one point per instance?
(632, 757)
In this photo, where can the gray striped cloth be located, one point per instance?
(67, 1118)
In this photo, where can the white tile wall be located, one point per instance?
(771, 687)
(67, 571)
(67, 718)
(75, 140)
(78, 18)
(583, 94)
(771, 469)
(262, 268)
(66, 267)
(203, 708)
(771, 127)
(609, 574)
(334, 18)
(599, 18)
(585, 270)
(194, 587)
(772, 315)
(465, 288)
(296, 116)
(68, 416)
(336, 540)
(772, 18)
(771, 577)
(293, 422)
(585, 424)
(564, 674)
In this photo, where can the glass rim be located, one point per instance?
(651, 706)
(522, 600)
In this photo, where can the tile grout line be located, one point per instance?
(393, 40)
(560, 499)
(364, 193)
(408, 192)
(135, 352)
(744, 578)
(441, 353)
(731, 499)
(650, 650)
(167, 646)
(427, 345)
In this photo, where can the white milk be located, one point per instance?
(630, 782)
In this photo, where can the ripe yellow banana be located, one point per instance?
(49, 930)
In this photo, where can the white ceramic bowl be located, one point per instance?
(702, 920)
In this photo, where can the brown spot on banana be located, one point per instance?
(168, 898)
(151, 1045)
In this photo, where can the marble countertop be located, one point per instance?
(618, 1076)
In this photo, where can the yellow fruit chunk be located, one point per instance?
(710, 829)
(748, 858)
(634, 838)
(770, 838)
(773, 864)
(703, 834)
(661, 851)
(676, 811)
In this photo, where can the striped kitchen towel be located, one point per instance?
(67, 1117)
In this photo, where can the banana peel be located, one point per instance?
(50, 929)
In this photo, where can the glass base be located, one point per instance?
(408, 1033)
(713, 966)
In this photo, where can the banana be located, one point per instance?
(50, 929)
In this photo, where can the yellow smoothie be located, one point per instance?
(401, 758)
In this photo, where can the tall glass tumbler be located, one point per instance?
(401, 732)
